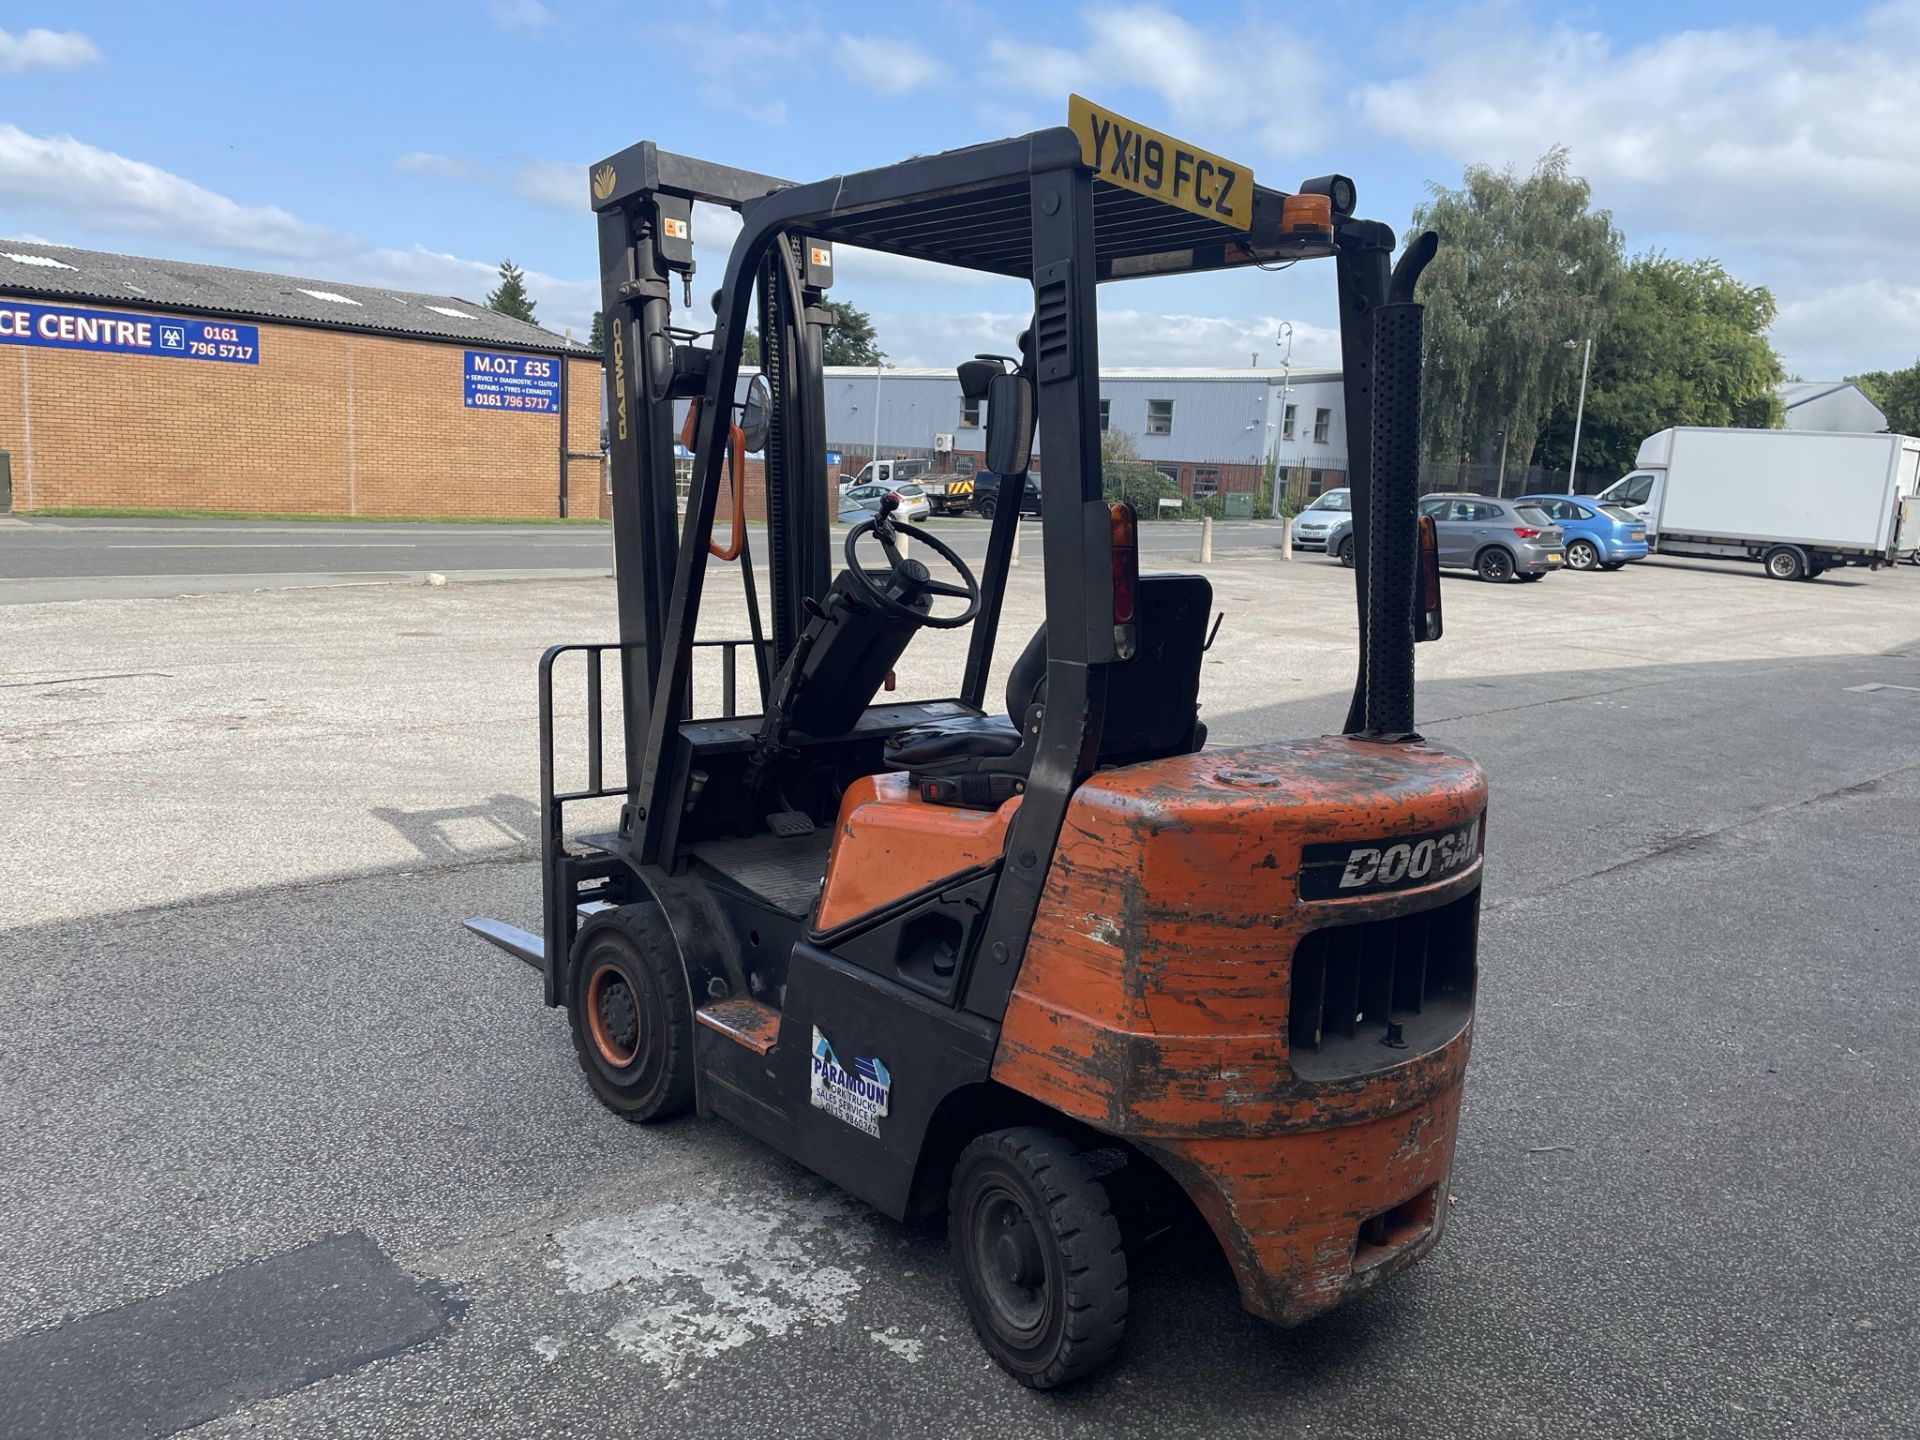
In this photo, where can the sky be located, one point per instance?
(417, 144)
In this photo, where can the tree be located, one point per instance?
(1524, 265)
(1897, 392)
(1126, 477)
(1687, 345)
(597, 333)
(850, 341)
(510, 297)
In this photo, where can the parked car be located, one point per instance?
(1313, 524)
(1496, 539)
(867, 498)
(1598, 536)
(986, 493)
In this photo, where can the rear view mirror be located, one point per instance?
(1009, 424)
(756, 414)
(1426, 583)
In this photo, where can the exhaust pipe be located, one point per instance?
(1391, 539)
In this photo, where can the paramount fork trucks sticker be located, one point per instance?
(1160, 167)
(857, 1096)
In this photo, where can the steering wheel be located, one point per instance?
(907, 579)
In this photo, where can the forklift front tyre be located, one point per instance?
(1037, 1252)
(631, 1026)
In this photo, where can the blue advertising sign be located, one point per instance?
(66, 327)
(499, 381)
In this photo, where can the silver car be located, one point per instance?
(1498, 540)
(1313, 524)
(913, 500)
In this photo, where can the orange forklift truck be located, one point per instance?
(996, 964)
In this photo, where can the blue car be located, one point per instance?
(1599, 537)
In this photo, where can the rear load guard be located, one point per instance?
(1309, 1220)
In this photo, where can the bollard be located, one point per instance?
(1286, 537)
(1014, 559)
(1206, 540)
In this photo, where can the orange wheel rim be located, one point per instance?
(613, 1016)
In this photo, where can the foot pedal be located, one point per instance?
(789, 822)
(745, 1022)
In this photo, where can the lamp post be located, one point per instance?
(876, 420)
(1285, 342)
(1579, 412)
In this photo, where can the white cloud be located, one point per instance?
(91, 186)
(1821, 331)
(519, 14)
(425, 162)
(890, 67)
(553, 184)
(46, 50)
(1749, 142)
(1128, 337)
(1221, 82)
(95, 190)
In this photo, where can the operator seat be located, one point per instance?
(1151, 710)
(965, 744)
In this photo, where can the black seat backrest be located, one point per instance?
(851, 646)
(1153, 700)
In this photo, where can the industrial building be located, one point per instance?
(1208, 431)
(1830, 405)
(155, 384)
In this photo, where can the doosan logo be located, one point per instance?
(1410, 861)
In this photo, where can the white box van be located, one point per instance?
(1799, 502)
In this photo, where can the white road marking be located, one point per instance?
(905, 1346)
(281, 545)
(719, 1272)
(1870, 688)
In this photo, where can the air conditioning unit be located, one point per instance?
(943, 442)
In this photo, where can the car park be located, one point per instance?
(1499, 540)
(1313, 524)
(1598, 536)
(866, 498)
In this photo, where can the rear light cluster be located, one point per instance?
(1525, 532)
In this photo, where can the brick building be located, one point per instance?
(155, 384)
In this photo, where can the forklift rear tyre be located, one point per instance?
(631, 1026)
(1037, 1252)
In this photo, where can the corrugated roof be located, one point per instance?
(1799, 392)
(62, 273)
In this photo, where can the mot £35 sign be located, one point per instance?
(66, 327)
(496, 380)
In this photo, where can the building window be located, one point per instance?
(969, 412)
(1286, 424)
(1106, 415)
(1322, 420)
(1169, 473)
(1315, 479)
(963, 464)
(1159, 417)
(1206, 481)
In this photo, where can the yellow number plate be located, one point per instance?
(1160, 167)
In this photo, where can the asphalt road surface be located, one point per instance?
(68, 559)
(283, 1152)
